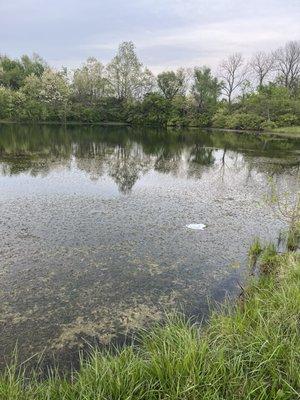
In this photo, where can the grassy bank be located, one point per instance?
(250, 351)
(290, 131)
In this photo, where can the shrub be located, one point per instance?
(268, 125)
(241, 121)
(6, 106)
(201, 119)
(220, 119)
(287, 120)
(248, 121)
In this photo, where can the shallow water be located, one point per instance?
(93, 222)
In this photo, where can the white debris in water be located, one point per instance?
(196, 226)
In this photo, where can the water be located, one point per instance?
(94, 241)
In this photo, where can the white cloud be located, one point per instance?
(167, 33)
(208, 43)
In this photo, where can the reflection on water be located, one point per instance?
(94, 238)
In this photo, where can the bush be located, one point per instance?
(202, 120)
(241, 121)
(268, 125)
(248, 121)
(219, 120)
(6, 105)
(177, 121)
(287, 120)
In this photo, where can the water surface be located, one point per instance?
(93, 222)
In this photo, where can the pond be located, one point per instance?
(95, 228)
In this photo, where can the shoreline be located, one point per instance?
(273, 134)
(247, 342)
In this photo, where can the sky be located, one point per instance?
(168, 34)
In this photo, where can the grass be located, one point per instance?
(254, 253)
(293, 236)
(247, 351)
(290, 131)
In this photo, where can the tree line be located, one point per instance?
(260, 93)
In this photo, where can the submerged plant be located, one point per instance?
(249, 352)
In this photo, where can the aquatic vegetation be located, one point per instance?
(236, 356)
(249, 352)
(293, 237)
(268, 259)
(255, 251)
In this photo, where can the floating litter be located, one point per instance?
(196, 226)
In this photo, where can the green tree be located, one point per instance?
(274, 103)
(153, 110)
(11, 73)
(48, 96)
(5, 103)
(172, 83)
(35, 65)
(14, 72)
(90, 83)
(127, 76)
(206, 89)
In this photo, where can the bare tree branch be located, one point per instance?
(287, 61)
(261, 64)
(233, 74)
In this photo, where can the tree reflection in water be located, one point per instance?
(126, 154)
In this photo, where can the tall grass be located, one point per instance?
(288, 130)
(247, 351)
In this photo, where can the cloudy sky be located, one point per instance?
(167, 33)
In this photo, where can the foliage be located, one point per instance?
(90, 83)
(153, 110)
(126, 91)
(13, 72)
(268, 125)
(172, 83)
(127, 76)
(288, 119)
(242, 121)
(46, 96)
(206, 91)
(6, 103)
